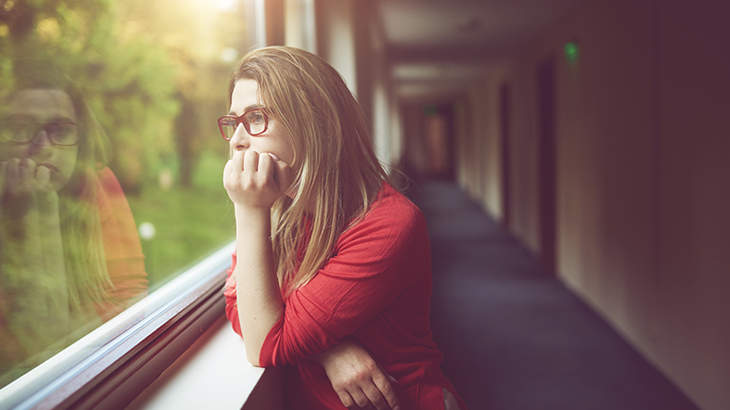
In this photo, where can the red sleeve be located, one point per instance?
(122, 249)
(231, 301)
(373, 265)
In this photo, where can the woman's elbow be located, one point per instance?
(253, 359)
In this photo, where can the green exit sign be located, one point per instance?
(571, 51)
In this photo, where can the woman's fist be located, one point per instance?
(24, 185)
(256, 180)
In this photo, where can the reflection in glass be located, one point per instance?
(152, 73)
(70, 257)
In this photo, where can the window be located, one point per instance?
(110, 170)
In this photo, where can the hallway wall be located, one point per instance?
(349, 35)
(642, 192)
(694, 196)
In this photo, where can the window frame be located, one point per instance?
(133, 348)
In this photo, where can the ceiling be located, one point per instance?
(439, 47)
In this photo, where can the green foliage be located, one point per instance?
(190, 223)
(138, 63)
(151, 71)
(194, 33)
(152, 75)
(128, 81)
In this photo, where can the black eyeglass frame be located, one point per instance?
(45, 127)
(240, 120)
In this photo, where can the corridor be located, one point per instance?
(514, 337)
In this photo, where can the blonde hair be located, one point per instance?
(337, 174)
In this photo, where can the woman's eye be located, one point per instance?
(255, 118)
(21, 126)
(20, 131)
(59, 129)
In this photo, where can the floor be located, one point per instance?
(515, 338)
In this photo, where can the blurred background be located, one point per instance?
(155, 75)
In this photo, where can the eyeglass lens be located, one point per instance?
(254, 121)
(60, 133)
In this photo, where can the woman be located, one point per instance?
(69, 254)
(332, 273)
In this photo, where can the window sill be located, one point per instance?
(213, 373)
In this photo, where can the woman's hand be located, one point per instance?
(256, 180)
(25, 187)
(356, 378)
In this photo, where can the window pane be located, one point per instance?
(110, 159)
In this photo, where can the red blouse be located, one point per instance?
(377, 288)
(122, 249)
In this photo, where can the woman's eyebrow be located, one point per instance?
(250, 107)
(63, 119)
(26, 117)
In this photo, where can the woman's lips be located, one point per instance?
(49, 166)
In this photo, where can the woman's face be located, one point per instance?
(43, 106)
(275, 140)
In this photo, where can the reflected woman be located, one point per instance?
(70, 257)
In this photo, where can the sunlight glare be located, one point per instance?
(229, 55)
(226, 5)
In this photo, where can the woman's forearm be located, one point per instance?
(54, 267)
(34, 275)
(260, 303)
(252, 186)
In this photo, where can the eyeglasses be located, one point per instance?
(254, 121)
(17, 131)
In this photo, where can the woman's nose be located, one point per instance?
(240, 139)
(41, 140)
